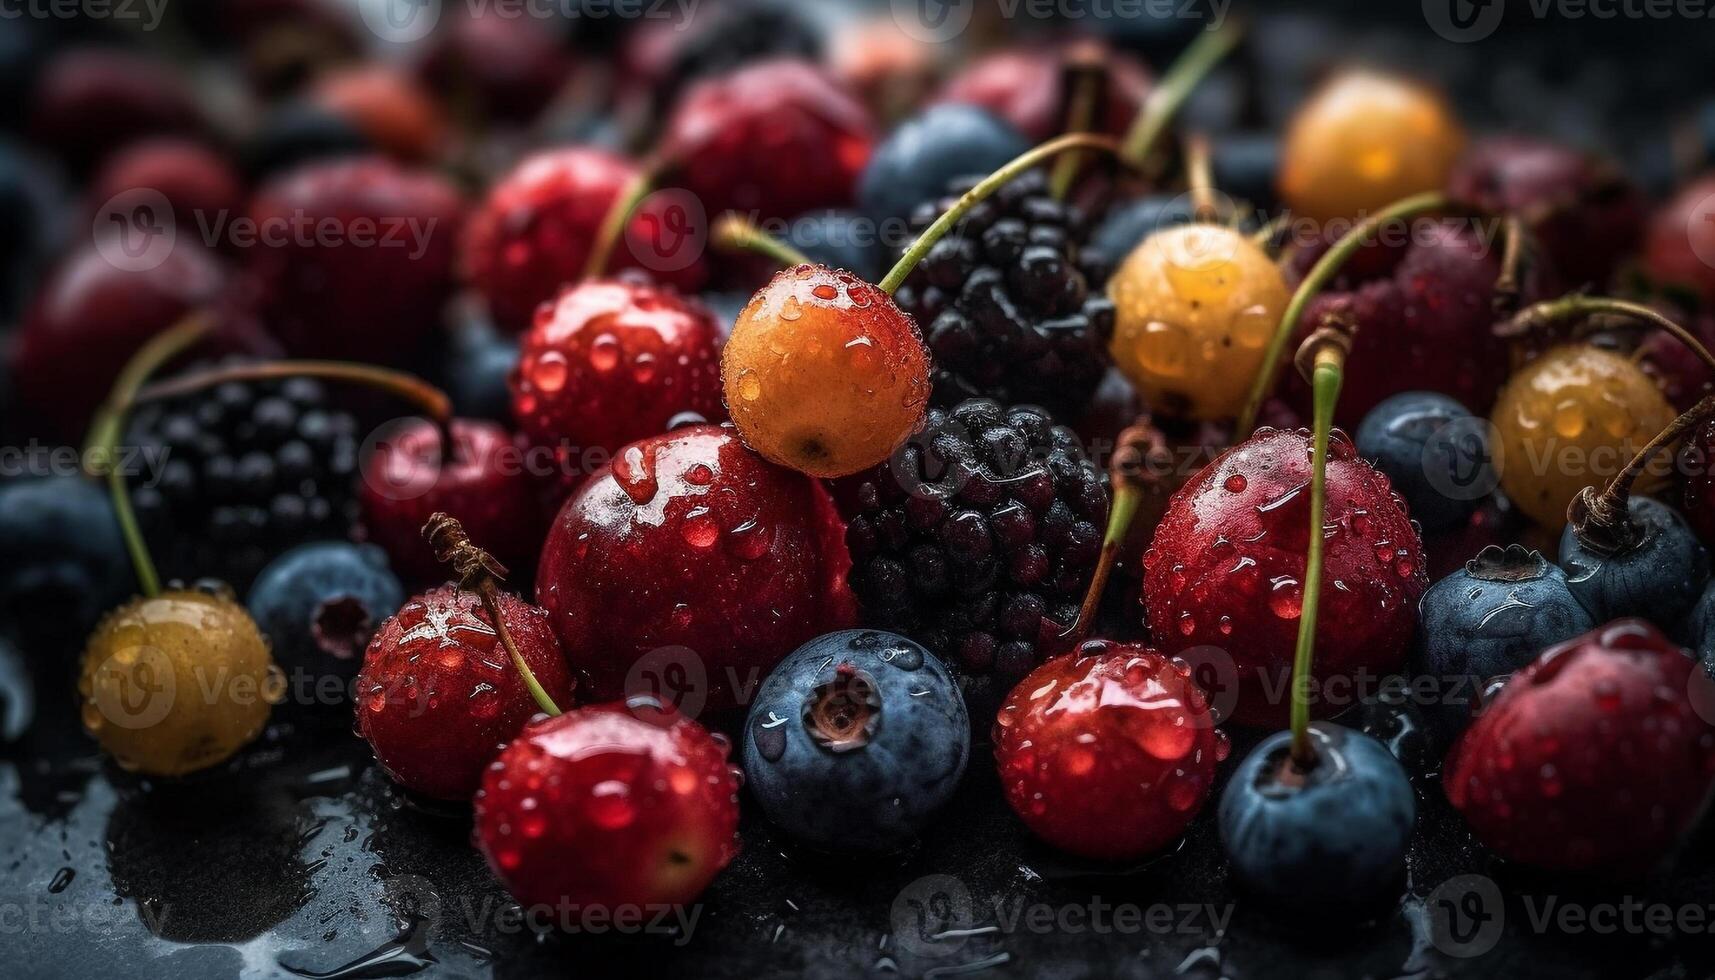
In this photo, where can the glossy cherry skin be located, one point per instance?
(1580, 209)
(609, 806)
(438, 694)
(1679, 236)
(608, 363)
(690, 540)
(387, 105)
(200, 186)
(1024, 86)
(372, 290)
(775, 138)
(487, 479)
(823, 373)
(511, 66)
(1598, 756)
(531, 235)
(1226, 565)
(90, 101)
(1107, 752)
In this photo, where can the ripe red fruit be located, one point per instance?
(531, 236)
(776, 138)
(1226, 564)
(1593, 757)
(691, 540)
(485, 479)
(90, 101)
(199, 185)
(1581, 210)
(1024, 87)
(353, 258)
(1679, 247)
(91, 315)
(438, 694)
(609, 805)
(388, 106)
(1107, 752)
(510, 66)
(609, 363)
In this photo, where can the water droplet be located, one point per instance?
(604, 352)
(1287, 598)
(700, 530)
(1236, 483)
(610, 805)
(749, 385)
(550, 372)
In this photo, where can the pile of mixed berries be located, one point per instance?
(955, 425)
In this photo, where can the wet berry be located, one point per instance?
(1108, 752)
(1434, 452)
(62, 560)
(1659, 573)
(922, 154)
(319, 605)
(1025, 87)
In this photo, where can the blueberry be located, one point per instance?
(30, 203)
(915, 163)
(319, 604)
(1657, 577)
(855, 740)
(17, 695)
(1330, 839)
(840, 239)
(62, 560)
(1128, 223)
(478, 363)
(1488, 620)
(1434, 452)
(1697, 629)
(1244, 166)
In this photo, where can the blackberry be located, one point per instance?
(1009, 309)
(979, 536)
(240, 473)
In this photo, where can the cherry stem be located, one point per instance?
(1602, 521)
(986, 187)
(1512, 259)
(1175, 87)
(1086, 74)
(101, 450)
(1542, 315)
(618, 215)
(1319, 276)
(1134, 452)
(1327, 373)
(479, 572)
(1200, 178)
(734, 233)
(1264, 237)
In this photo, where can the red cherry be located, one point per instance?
(1680, 244)
(200, 186)
(511, 66)
(353, 258)
(609, 363)
(773, 139)
(1598, 755)
(90, 101)
(91, 315)
(1225, 568)
(388, 106)
(691, 540)
(1024, 87)
(531, 236)
(1581, 210)
(1107, 752)
(486, 479)
(609, 806)
(438, 694)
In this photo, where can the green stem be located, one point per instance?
(1175, 87)
(1126, 501)
(981, 192)
(1200, 178)
(102, 447)
(736, 234)
(491, 602)
(618, 215)
(1319, 276)
(1325, 383)
(1087, 75)
(1566, 307)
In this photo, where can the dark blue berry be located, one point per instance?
(1434, 452)
(319, 604)
(1697, 630)
(915, 163)
(1128, 223)
(29, 204)
(1327, 840)
(17, 694)
(1245, 166)
(62, 560)
(299, 133)
(478, 362)
(1487, 620)
(1658, 574)
(841, 239)
(855, 740)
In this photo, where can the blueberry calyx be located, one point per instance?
(341, 627)
(841, 714)
(1514, 563)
